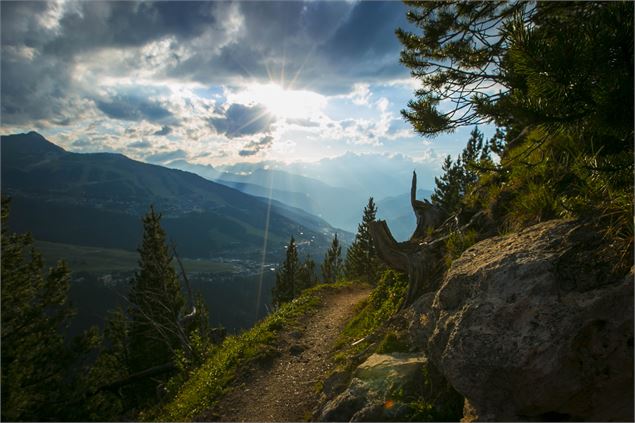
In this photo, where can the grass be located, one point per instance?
(207, 384)
(105, 260)
(372, 314)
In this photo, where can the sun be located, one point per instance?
(283, 103)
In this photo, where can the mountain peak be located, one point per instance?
(31, 142)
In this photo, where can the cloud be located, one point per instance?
(57, 55)
(307, 123)
(254, 147)
(166, 156)
(165, 130)
(239, 120)
(140, 144)
(81, 143)
(130, 107)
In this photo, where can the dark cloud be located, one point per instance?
(166, 156)
(140, 144)
(165, 130)
(129, 107)
(240, 120)
(255, 146)
(97, 24)
(322, 46)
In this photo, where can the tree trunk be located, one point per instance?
(419, 259)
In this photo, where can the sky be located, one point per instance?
(214, 83)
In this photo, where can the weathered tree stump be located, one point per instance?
(421, 257)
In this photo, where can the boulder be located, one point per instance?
(377, 389)
(534, 326)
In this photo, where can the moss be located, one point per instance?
(393, 343)
(208, 383)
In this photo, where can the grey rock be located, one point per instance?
(335, 383)
(532, 326)
(380, 378)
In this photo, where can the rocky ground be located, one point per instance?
(285, 389)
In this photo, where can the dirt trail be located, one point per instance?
(285, 390)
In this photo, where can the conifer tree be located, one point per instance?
(285, 289)
(156, 300)
(40, 371)
(361, 257)
(458, 176)
(306, 276)
(447, 193)
(332, 264)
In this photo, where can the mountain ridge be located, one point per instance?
(106, 193)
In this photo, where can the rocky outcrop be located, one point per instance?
(376, 389)
(533, 326)
(393, 387)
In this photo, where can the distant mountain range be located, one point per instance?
(360, 177)
(98, 199)
(399, 215)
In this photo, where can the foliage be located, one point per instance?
(393, 342)
(460, 176)
(563, 73)
(457, 57)
(306, 276)
(383, 303)
(458, 242)
(207, 383)
(292, 277)
(40, 371)
(361, 258)
(156, 305)
(332, 264)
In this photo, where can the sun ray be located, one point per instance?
(264, 248)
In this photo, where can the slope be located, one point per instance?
(286, 391)
(97, 200)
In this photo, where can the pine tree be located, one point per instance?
(306, 276)
(40, 371)
(285, 287)
(156, 301)
(361, 257)
(332, 264)
(452, 186)
(447, 193)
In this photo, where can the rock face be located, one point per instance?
(532, 326)
(376, 389)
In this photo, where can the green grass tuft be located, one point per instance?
(207, 384)
(373, 313)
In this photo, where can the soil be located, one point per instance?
(286, 388)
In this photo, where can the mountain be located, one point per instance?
(98, 200)
(309, 194)
(336, 189)
(396, 210)
(376, 175)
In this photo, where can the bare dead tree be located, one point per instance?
(422, 256)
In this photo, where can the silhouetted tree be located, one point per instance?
(332, 264)
(361, 258)
(40, 371)
(306, 276)
(156, 302)
(285, 288)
